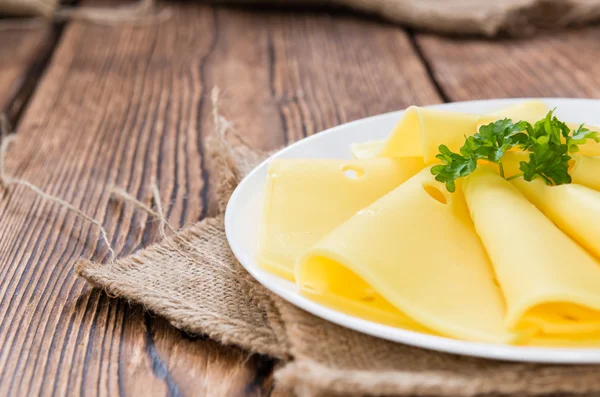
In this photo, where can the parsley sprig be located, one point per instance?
(548, 141)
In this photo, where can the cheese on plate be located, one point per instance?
(548, 280)
(421, 130)
(575, 209)
(307, 198)
(413, 251)
(584, 170)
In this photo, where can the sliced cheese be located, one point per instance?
(590, 148)
(420, 131)
(366, 150)
(415, 250)
(587, 340)
(530, 111)
(331, 284)
(575, 209)
(542, 272)
(305, 199)
(586, 171)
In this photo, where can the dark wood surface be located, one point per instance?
(99, 106)
(25, 48)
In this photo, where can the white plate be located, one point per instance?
(244, 209)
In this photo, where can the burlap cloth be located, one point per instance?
(479, 17)
(194, 281)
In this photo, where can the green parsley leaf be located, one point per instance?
(548, 140)
(579, 136)
(494, 139)
(547, 161)
(490, 143)
(453, 166)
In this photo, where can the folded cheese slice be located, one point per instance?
(548, 280)
(590, 148)
(575, 209)
(420, 131)
(413, 251)
(305, 199)
(584, 170)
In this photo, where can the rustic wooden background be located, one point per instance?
(98, 105)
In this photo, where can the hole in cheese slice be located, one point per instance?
(305, 199)
(438, 195)
(352, 171)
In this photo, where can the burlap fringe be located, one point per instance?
(9, 137)
(233, 164)
(201, 288)
(214, 295)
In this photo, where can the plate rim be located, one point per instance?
(549, 355)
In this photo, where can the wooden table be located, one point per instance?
(99, 105)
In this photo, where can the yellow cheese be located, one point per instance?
(421, 130)
(414, 249)
(304, 199)
(510, 162)
(568, 339)
(590, 148)
(586, 171)
(542, 272)
(530, 111)
(366, 150)
(329, 283)
(573, 208)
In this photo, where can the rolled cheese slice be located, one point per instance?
(413, 251)
(584, 170)
(590, 148)
(305, 199)
(575, 209)
(420, 131)
(548, 280)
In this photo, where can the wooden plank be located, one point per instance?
(562, 64)
(129, 106)
(344, 69)
(285, 76)
(25, 48)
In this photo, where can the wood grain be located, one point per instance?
(285, 76)
(26, 47)
(562, 64)
(129, 106)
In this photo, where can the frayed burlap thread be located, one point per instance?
(194, 281)
(212, 295)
